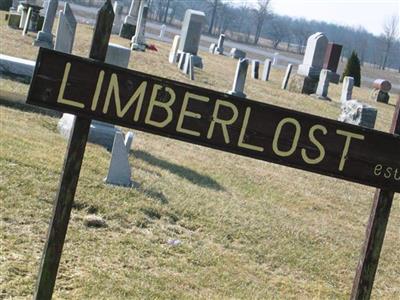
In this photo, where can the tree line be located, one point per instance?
(251, 24)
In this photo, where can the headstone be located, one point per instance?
(186, 64)
(381, 90)
(331, 60)
(191, 31)
(24, 11)
(45, 37)
(129, 140)
(287, 76)
(174, 50)
(65, 30)
(237, 53)
(129, 27)
(323, 85)
(381, 96)
(212, 48)
(190, 34)
(138, 40)
(14, 5)
(347, 89)
(191, 68)
(118, 8)
(255, 66)
(220, 45)
(275, 59)
(314, 55)
(162, 31)
(240, 78)
(16, 68)
(33, 24)
(182, 59)
(45, 6)
(27, 20)
(357, 113)
(118, 55)
(266, 70)
(13, 20)
(119, 172)
(302, 84)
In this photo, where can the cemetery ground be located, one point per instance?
(198, 223)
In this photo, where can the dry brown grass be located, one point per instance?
(249, 229)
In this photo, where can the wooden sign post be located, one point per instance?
(375, 234)
(70, 174)
(91, 89)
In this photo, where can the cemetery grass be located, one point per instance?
(248, 229)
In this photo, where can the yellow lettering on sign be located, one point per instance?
(222, 122)
(349, 136)
(165, 105)
(243, 132)
(378, 169)
(97, 91)
(318, 159)
(60, 98)
(113, 89)
(278, 133)
(185, 113)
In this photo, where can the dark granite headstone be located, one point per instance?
(332, 56)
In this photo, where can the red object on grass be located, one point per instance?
(151, 47)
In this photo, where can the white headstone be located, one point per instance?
(240, 78)
(45, 37)
(66, 30)
(174, 50)
(27, 20)
(314, 55)
(357, 113)
(119, 172)
(275, 59)
(266, 70)
(220, 45)
(118, 8)
(162, 31)
(323, 83)
(138, 40)
(191, 31)
(347, 88)
(212, 48)
(287, 76)
(118, 55)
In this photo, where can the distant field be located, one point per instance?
(248, 229)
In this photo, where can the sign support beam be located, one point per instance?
(72, 164)
(375, 234)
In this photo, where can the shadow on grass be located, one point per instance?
(159, 196)
(17, 101)
(183, 172)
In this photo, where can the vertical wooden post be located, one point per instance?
(72, 164)
(375, 234)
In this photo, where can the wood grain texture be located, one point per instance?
(72, 165)
(373, 160)
(375, 233)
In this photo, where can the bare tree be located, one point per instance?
(261, 14)
(390, 35)
(214, 6)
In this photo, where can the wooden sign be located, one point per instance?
(96, 90)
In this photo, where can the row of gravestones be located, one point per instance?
(108, 135)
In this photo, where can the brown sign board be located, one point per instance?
(108, 93)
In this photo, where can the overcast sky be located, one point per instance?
(369, 14)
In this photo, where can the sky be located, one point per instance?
(369, 14)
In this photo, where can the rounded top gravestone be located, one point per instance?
(314, 55)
